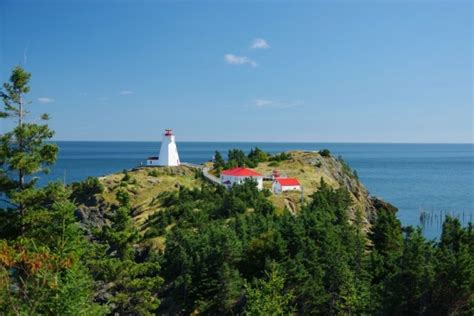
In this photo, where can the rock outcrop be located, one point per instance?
(144, 185)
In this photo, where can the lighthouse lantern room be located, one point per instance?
(168, 152)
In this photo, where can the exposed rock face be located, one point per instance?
(143, 186)
(93, 215)
(310, 167)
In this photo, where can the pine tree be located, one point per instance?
(202, 267)
(408, 287)
(387, 234)
(42, 271)
(41, 257)
(257, 155)
(453, 289)
(219, 162)
(129, 282)
(24, 150)
(268, 296)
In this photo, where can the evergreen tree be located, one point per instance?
(236, 158)
(387, 239)
(257, 155)
(24, 150)
(129, 282)
(453, 289)
(41, 271)
(268, 296)
(203, 278)
(386, 234)
(84, 192)
(219, 162)
(407, 290)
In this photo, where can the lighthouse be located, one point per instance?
(168, 152)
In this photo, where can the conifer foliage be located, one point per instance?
(127, 280)
(224, 252)
(24, 150)
(42, 248)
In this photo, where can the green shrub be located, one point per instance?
(267, 192)
(123, 197)
(153, 173)
(273, 164)
(280, 157)
(83, 191)
(325, 153)
(257, 155)
(347, 169)
(126, 176)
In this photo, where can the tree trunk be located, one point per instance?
(21, 176)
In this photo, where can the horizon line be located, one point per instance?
(263, 141)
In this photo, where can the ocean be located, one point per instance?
(437, 178)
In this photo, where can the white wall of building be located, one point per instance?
(168, 152)
(239, 180)
(152, 162)
(277, 188)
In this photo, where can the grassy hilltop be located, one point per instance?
(145, 185)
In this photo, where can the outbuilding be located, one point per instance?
(238, 175)
(152, 161)
(285, 184)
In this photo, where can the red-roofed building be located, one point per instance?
(238, 175)
(285, 184)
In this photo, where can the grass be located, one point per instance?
(309, 168)
(145, 184)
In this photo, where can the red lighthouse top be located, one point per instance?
(168, 132)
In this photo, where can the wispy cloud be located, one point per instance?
(239, 60)
(83, 94)
(260, 103)
(259, 43)
(45, 100)
(126, 92)
(266, 103)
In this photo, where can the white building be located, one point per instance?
(152, 161)
(239, 175)
(285, 184)
(168, 152)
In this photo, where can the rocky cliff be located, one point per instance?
(144, 186)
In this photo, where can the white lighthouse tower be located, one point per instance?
(168, 152)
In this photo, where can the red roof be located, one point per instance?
(286, 182)
(240, 172)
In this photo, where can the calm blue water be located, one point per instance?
(436, 177)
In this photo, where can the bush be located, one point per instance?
(257, 155)
(153, 173)
(126, 176)
(123, 197)
(267, 192)
(325, 153)
(347, 169)
(83, 191)
(280, 157)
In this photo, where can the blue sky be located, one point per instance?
(322, 71)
